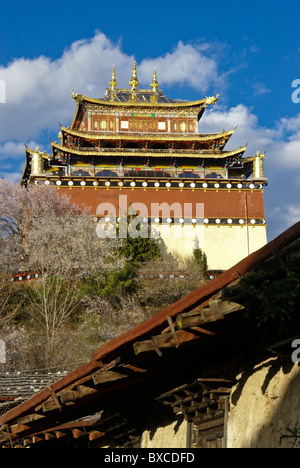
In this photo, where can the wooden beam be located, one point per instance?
(55, 397)
(155, 345)
(106, 376)
(133, 368)
(172, 328)
(30, 418)
(217, 309)
(68, 395)
(203, 331)
(78, 433)
(5, 436)
(27, 442)
(83, 390)
(93, 435)
(62, 429)
(16, 428)
(48, 405)
(166, 340)
(206, 385)
(112, 364)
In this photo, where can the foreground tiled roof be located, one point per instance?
(18, 384)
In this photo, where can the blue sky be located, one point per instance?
(248, 52)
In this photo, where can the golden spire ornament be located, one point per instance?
(134, 82)
(113, 82)
(154, 84)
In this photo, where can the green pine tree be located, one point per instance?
(200, 258)
(142, 248)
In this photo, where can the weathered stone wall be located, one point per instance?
(265, 407)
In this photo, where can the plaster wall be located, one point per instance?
(224, 246)
(165, 433)
(265, 407)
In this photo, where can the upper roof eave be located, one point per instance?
(80, 98)
(143, 136)
(153, 153)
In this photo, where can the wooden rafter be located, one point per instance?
(187, 326)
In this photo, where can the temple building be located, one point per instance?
(137, 149)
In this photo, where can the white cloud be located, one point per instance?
(286, 153)
(13, 150)
(291, 214)
(13, 176)
(38, 91)
(12, 159)
(260, 88)
(248, 129)
(192, 65)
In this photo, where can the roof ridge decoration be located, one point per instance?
(113, 82)
(154, 84)
(134, 82)
(140, 97)
(170, 103)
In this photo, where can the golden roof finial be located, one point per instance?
(134, 82)
(113, 82)
(154, 84)
(212, 100)
(258, 166)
